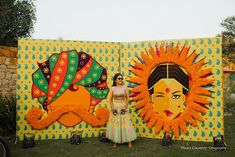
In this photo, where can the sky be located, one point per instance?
(130, 20)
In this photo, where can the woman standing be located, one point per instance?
(120, 129)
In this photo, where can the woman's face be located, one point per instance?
(168, 98)
(119, 80)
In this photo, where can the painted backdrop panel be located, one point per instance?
(210, 50)
(112, 56)
(32, 52)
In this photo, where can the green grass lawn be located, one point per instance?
(142, 147)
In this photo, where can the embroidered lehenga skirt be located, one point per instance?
(119, 127)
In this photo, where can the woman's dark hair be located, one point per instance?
(168, 71)
(115, 78)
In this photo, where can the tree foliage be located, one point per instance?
(229, 25)
(17, 20)
(228, 35)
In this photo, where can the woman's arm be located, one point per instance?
(127, 97)
(111, 98)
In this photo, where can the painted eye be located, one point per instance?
(175, 96)
(159, 95)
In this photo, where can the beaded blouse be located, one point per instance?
(119, 92)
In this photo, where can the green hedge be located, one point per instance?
(7, 116)
(229, 100)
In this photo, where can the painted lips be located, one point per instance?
(168, 113)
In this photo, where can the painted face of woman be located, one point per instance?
(168, 98)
